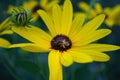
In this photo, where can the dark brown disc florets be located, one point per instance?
(61, 43)
(37, 7)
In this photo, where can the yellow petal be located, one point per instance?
(55, 67)
(10, 8)
(109, 22)
(48, 21)
(84, 6)
(97, 56)
(4, 43)
(5, 24)
(30, 4)
(107, 10)
(116, 10)
(67, 16)
(93, 24)
(35, 17)
(77, 24)
(29, 47)
(92, 37)
(34, 34)
(6, 32)
(100, 47)
(66, 59)
(98, 8)
(80, 57)
(43, 2)
(57, 18)
(98, 35)
(50, 4)
(89, 28)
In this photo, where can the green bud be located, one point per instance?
(21, 17)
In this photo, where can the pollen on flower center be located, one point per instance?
(61, 43)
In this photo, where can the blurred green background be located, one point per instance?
(16, 64)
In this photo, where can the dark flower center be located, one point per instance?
(61, 43)
(37, 7)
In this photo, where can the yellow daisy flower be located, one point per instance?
(68, 40)
(113, 15)
(34, 5)
(5, 29)
(93, 12)
(110, 19)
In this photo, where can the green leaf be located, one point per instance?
(29, 66)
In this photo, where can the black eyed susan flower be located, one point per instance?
(5, 29)
(68, 40)
(111, 18)
(113, 15)
(34, 5)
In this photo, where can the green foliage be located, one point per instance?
(29, 66)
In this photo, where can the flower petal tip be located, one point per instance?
(102, 15)
(105, 59)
